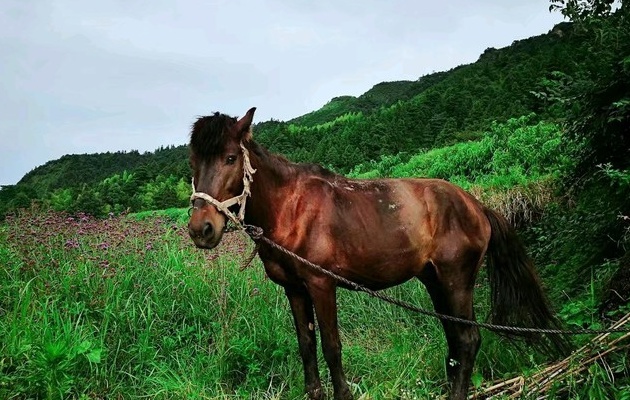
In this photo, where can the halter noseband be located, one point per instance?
(241, 199)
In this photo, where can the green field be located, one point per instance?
(127, 307)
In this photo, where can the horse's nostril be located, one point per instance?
(207, 229)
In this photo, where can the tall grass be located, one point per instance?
(128, 308)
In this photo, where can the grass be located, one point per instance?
(127, 308)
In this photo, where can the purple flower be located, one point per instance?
(103, 246)
(72, 244)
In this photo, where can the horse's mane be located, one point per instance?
(209, 134)
(281, 162)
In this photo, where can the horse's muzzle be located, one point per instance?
(205, 231)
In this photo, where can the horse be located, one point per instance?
(377, 233)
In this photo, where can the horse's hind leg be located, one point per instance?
(452, 294)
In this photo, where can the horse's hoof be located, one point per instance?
(315, 394)
(345, 395)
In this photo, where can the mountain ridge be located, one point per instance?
(390, 118)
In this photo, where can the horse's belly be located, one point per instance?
(279, 274)
(379, 271)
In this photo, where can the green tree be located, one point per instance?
(598, 101)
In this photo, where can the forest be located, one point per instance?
(539, 130)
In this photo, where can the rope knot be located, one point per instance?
(254, 232)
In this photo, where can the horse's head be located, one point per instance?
(217, 162)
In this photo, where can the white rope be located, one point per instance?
(241, 199)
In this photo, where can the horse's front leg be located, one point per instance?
(304, 320)
(324, 298)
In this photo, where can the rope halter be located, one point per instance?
(241, 199)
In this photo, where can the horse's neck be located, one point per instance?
(271, 182)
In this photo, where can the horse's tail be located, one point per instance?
(516, 295)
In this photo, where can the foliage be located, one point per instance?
(102, 183)
(456, 106)
(590, 238)
(383, 94)
(596, 103)
(175, 215)
(124, 306)
(583, 10)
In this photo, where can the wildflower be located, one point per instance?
(72, 244)
(103, 246)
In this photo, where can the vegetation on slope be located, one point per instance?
(383, 94)
(102, 183)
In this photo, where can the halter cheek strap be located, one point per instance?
(241, 199)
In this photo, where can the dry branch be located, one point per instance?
(538, 385)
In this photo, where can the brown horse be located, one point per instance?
(378, 233)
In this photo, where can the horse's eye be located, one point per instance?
(230, 159)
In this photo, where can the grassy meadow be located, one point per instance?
(128, 308)
(125, 307)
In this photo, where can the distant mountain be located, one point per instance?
(79, 169)
(391, 118)
(383, 94)
(437, 109)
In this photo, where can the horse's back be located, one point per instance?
(382, 232)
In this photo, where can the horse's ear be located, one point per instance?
(243, 125)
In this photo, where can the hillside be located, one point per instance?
(452, 106)
(393, 118)
(88, 182)
(383, 94)
(67, 170)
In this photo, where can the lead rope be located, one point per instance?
(256, 233)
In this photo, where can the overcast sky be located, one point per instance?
(93, 76)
